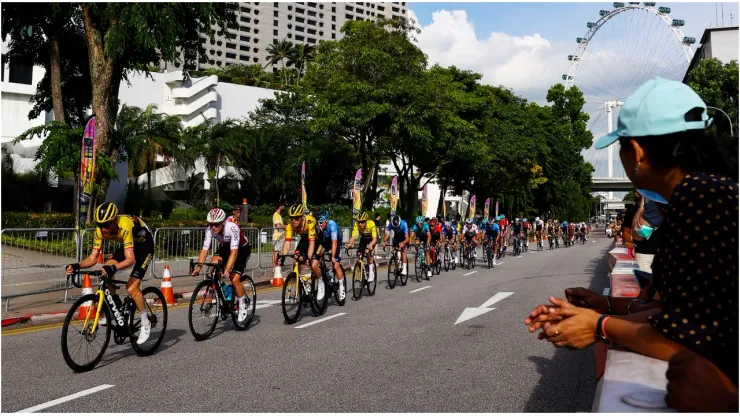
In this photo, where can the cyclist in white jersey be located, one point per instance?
(234, 247)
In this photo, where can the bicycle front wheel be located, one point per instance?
(392, 272)
(371, 286)
(404, 277)
(250, 293)
(156, 310)
(318, 306)
(82, 349)
(447, 259)
(203, 310)
(358, 282)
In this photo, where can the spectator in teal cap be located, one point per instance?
(671, 160)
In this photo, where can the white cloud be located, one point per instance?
(529, 64)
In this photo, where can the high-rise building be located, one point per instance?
(259, 24)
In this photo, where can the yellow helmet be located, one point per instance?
(363, 217)
(105, 213)
(296, 210)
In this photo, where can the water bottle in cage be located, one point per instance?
(330, 274)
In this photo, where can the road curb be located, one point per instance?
(54, 317)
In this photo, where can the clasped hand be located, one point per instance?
(564, 324)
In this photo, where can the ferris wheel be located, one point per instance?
(623, 49)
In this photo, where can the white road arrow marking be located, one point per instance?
(470, 313)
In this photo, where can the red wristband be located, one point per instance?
(603, 327)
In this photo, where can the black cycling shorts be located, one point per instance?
(242, 257)
(398, 238)
(364, 242)
(143, 253)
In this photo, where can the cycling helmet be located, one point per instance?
(363, 217)
(323, 216)
(296, 210)
(419, 219)
(491, 219)
(216, 215)
(469, 221)
(537, 219)
(484, 220)
(105, 213)
(447, 223)
(396, 220)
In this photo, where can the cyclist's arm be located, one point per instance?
(288, 239)
(93, 258)
(311, 239)
(128, 244)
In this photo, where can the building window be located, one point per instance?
(360, 11)
(349, 8)
(256, 50)
(244, 10)
(212, 62)
(276, 4)
(321, 6)
(244, 48)
(219, 43)
(290, 7)
(219, 53)
(275, 13)
(256, 21)
(256, 12)
(255, 59)
(333, 18)
(256, 40)
(333, 9)
(290, 17)
(395, 9)
(244, 38)
(381, 8)
(230, 46)
(245, 19)
(299, 10)
(20, 71)
(359, 3)
(230, 55)
(212, 51)
(311, 31)
(299, 38)
(245, 29)
(359, 18)
(321, 33)
(290, 26)
(311, 5)
(311, 13)
(372, 5)
(256, 31)
(218, 63)
(333, 35)
(300, 19)
(274, 32)
(348, 16)
(290, 35)
(333, 27)
(244, 57)
(311, 40)
(275, 23)
(312, 22)
(299, 29)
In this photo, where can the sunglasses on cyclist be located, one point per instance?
(214, 224)
(298, 218)
(108, 226)
(362, 222)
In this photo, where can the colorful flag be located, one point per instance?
(394, 195)
(444, 207)
(357, 194)
(497, 208)
(472, 207)
(424, 201)
(486, 207)
(304, 197)
(87, 171)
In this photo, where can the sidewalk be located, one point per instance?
(51, 307)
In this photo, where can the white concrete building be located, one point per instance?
(722, 43)
(261, 23)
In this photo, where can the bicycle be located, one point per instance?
(540, 244)
(488, 253)
(395, 268)
(211, 299)
(330, 281)
(420, 263)
(122, 318)
(296, 296)
(359, 275)
(436, 262)
(550, 238)
(517, 246)
(468, 256)
(448, 261)
(525, 242)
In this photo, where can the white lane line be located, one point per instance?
(320, 320)
(606, 291)
(467, 274)
(498, 263)
(266, 303)
(66, 399)
(420, 289)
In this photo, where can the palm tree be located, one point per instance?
(146, 134)
(277, 53)
(215, 143)
(300, 55)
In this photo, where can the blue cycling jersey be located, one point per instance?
(451, 230)
(492, 228)
(424, 228)
(330, 234)
(403, 228)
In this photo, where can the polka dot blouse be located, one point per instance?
(695, 269)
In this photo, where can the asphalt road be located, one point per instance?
(399, 351)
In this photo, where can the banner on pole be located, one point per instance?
(87, 169)
(394, 195)
(304, 197)
(497, 208)
(424, 201)
(472, 207)
(486, 208)
(357, 195)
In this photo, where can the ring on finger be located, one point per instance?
(556, 331)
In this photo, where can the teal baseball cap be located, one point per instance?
(657, 108)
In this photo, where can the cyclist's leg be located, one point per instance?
(143, 255)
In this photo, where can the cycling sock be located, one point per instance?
(144, 318)
(243, 300)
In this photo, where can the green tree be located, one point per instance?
(278, 53)
(300, 56)
(717, 84)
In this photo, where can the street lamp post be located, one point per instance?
(728, 118)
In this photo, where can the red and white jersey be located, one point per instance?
(231, 234)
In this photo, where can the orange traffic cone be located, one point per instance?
(100, 258)
(87, 306)
(166, 288)
(277, 277)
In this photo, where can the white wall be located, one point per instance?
(142, 91)
(237, 101)
(724, 45)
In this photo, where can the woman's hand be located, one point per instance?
(541, 315)
(585, 298)
(576, 330)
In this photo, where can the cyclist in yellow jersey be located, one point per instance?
(137, 251)
(305, 226)
(365, 228)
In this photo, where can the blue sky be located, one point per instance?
(560, 21)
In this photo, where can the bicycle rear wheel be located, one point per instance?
(203, 310)
(156, 311)
(418, 267)
(76, 336)
(447, 259)
(318, 306)
(489, 256)
(250, 292)
(358, 281)
(371, 286)
(404, 277)
(291, 301)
